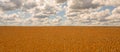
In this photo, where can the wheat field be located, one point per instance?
(59, 39)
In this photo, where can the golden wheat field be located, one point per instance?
(59, 39)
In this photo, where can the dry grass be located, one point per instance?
(59, 39)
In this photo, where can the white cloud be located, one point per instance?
(115, 17)
(116, 10)
(1, 12)
(77, 12)
(82, 12)
(107, 2)
(29, 5)
(56, 21)
(13, 19)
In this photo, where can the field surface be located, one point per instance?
(59, 39)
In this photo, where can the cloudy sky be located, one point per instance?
(60, 12)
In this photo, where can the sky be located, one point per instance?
(59, 12)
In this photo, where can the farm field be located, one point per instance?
(59, 39)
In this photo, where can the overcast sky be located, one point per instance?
(59, 12)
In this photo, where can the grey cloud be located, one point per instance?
(81, 4)
(18, 3)
(61, 1)
(7, 6)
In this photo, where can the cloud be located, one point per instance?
(37, 20)
(107, 2)
(7, 5)
(1, 12)
(81, 4)
(43, 21)
(56, 21)
(39, 15)
(116, 10)
(89, 17)
(29, 5)
(60, 1)
(12, 19)
(77, 12)
(82, 12)
(18, 3)
(115, 17)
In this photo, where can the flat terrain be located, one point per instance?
(59, 39)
